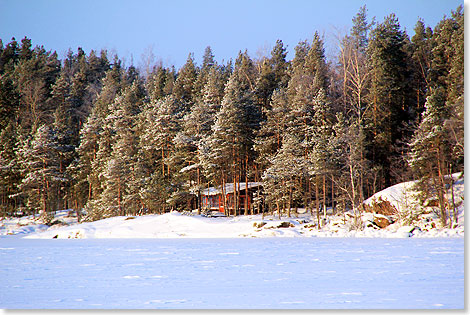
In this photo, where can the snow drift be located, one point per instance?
(178, 225)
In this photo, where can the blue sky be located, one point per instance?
(173, 29)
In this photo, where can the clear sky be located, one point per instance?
(171, 29)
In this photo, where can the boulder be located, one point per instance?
(382, 221)
(285, 225)
(259, 225)
(380, 206)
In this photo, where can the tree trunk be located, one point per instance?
(199, 205)
(163, 162)
(77, 210)
(317, 206)
(456, 218)
(290, 201)
(235, 190)
(324, 195)
(333, 194)
(306, 194)
(119, 198)
(246, 185)
(309, 201)
(441, 187)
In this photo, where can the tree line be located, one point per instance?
(87, 132)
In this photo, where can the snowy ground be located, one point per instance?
(267, 273)
(177, 225)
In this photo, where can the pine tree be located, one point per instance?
(270, 136)
(34, 75)
(9, 56)
(282, 180)
(96, 139)
(273, 75)
(347, 144)
(157, 84)
(229, 147)
(121, 192)
(9, 170)
(422, 48)
(208, 62)
(279, 64)
(66, 137)
(436, 149)
(9, 95)
(169, 81)
(196, 125)
(360, 30)
(391, 97)
(184, 88)
(306, 91)
(162, 120)
(40, 164)
(430, 150)
(321, 152)
(315, 64)
(227, 132)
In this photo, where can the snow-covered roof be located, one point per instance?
(211, 191)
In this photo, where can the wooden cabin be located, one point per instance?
(212, 197)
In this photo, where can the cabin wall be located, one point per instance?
(216, 202)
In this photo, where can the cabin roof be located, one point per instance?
(212, 191)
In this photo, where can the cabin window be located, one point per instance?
(210, 201)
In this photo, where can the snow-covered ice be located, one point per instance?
(264, 273)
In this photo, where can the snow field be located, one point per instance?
(269, 273)
(176, 225)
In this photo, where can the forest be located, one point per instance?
(90, 134)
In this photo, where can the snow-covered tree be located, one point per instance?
(273, 128)
(436, 149)
(282, 180)
(184, 88)
(42, 174)
(9, 169)
(120, 195)
(430, 150)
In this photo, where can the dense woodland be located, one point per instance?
(88, 133)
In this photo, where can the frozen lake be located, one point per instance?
(271, 273)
